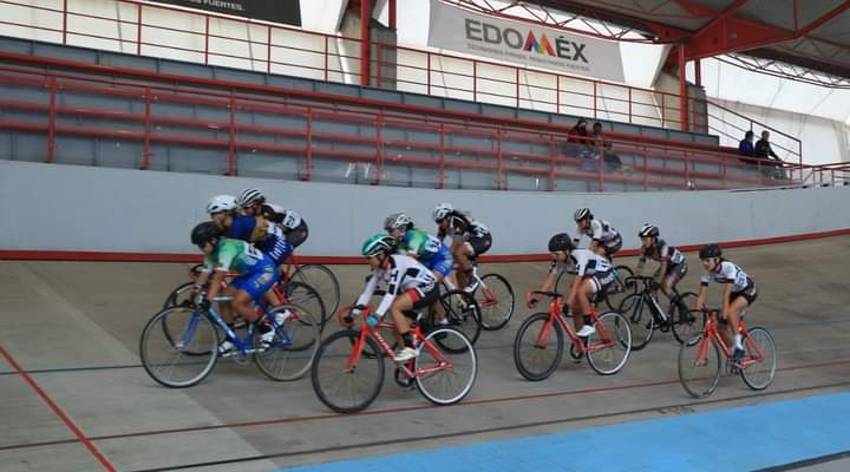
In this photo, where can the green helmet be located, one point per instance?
(381, 243)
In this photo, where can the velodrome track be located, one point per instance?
(74, 396)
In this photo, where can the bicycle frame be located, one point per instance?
(648, 295)
(478, 282)
(373, 332)
(556, 316)
(712, 334)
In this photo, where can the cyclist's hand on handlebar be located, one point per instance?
(533, 301)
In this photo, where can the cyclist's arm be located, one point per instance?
(393, 289)
(703, 288)
(215, 285)
(727, 295)
(371, 285)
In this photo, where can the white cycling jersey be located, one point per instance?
(405, 273)
(728, 273)
(662, 252)
(583, 262)
(602, 231)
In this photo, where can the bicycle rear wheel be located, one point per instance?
(617, 290)
(294, 347)
(610, 345)
(642, 322)
(179, 296)
(342, 389)
(537, 353)
(462, 313)
(496, 300)
(699, 366)
(759, 363)
(687, 323)
(445, 377)
(185, 359)
(308, 299)
(323, 280)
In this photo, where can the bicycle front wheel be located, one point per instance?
(445, 377)
(687, 323)
(538, 347)
(294, 347)
(699, 366)
(617, 290)
(496, 300)
(642, 322)
(308, 299)
(179, 347)
(342, 386)
(608, 348)
(462, 313)
(758, 367)
(323, 280)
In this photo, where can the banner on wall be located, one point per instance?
(531, 45)
(276, 11)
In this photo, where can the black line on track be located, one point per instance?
(471, 432)
(77, 369)
(807, 462)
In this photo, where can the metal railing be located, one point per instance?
(271, 48)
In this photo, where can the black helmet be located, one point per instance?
(560, 242)
(582, 213)
(205, 232)
(648, 230)
(710, 250)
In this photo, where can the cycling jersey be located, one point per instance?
(405, 273)
(728, 273)
(465, 227)
(602, 231)
(662, 252)
(267, 235)
(430, 251)
(586, 263)
(256, 271)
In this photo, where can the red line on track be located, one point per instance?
(81, 437)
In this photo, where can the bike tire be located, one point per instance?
(198, 335)
(462, 313)
(699, 380)
(535, 358)
(617, 290)
(686, 323)
(323, 280)
(328, 373)
(608, 348)
(641, 320)
(294, 347)
(455, 372)
(497, 302)
(307, 298)
(759, 375)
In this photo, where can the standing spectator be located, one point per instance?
(745, 147)
(579, 134)
(763, 150)
(612, 160)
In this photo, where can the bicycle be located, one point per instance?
(696, 354)
(318, 276)
(643, 327)
(348, 372)
(537, 354)
(495, 299)
(614, 293)
(188, 350)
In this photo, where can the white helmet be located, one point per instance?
(220, 203)
(398, 221)
(441, 211)
(250, 197)
(582, 213)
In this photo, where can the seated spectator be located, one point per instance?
(763, 150)
(612, 160)
(745, 147)
(579, 134)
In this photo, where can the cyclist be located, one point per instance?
(256, 276)
(253, 202)
(267, 236)
(593, 273)
(739, 292)
(470, 238)
(410, 286)
(604, 239)
(430, 251)
(674, 264)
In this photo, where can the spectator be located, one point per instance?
(745, 147)
(579, 134)
(763, 151)
(612, 160)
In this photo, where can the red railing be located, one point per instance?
(271, 48)
(650, 165)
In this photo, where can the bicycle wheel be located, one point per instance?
(609, 347)
(323, 280)
(462, 313)
(308, 299)
(759, 363)
(185, 359)
(179, 296)
(294, 346)
(441, 376)
(642, 322)
(343, 389)
(687, 323)
(617, 290)
(699, 366)
(496, 300)
(537, 353)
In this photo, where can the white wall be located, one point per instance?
(64, 207)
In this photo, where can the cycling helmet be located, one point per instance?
(648, 230)
(398, 221)
(379, 244)
(561, 242)
(221, 203)
(582, 213)
(205, 232)
(441, 211)
(250, 197)
(710, 250)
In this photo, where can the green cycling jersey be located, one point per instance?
(237, 255)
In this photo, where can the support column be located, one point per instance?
(393, 11)
(365, 43)
(698, 72)
(683, 91)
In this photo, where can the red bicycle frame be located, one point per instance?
(712, 334)
(556, 316)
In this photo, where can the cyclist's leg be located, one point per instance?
(738, 304)
(461, 251)
(249, 288)
(586, 289)
(441, 265)
(409, 300)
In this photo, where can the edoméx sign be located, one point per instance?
(276, 11)
(512, 41)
